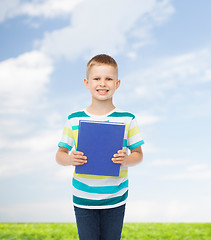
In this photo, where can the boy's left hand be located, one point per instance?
(120, 157)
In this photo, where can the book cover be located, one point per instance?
(99, 141)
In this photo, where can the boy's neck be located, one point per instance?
(100, 108)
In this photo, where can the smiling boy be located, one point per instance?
(99, 201)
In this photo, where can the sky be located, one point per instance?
(163, 50)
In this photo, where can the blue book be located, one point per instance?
(99, 141)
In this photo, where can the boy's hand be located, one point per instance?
(120, 157)
(77, 158)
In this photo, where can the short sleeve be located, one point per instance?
(134, 138)
(67, 139)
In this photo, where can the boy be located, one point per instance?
(99, 201)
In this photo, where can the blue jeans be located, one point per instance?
(100, 224)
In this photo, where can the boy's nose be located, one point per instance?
(102, 82)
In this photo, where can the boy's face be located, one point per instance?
(102, 81)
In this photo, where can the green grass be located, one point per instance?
(131, 231)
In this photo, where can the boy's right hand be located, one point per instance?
(77, 158)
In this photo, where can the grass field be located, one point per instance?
(136, 231)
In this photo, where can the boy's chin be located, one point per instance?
(102, 97)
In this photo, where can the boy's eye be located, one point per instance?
(96, 78)
(109, 79)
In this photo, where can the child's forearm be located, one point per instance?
(63, 158)
(133, 159)
(75, 157)
(125, 160)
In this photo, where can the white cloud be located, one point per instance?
(49, 8)
(149, 147)
(45, 140)
(169, 162)
(28, 153)
(169, 211)
(136, 211)
(162, 6)
(24, 148)
(7, 9)
(187, 169)
(192, 173)
(64, 174)
(51, 211)
(16, 163)
(34, 8)
(181, 169)
(102, 26)
(147, 119)
(132, 55)
(23, 79)
(197, 167)
(169, 74)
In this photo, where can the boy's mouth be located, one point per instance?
(102, 91)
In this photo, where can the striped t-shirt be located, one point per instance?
(94, 191)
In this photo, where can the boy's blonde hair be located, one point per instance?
(101, 59)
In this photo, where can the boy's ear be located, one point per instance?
(118, 83)
(86, 83)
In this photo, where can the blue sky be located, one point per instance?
(164, 55)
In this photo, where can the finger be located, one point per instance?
(119, 155)
(79, 161)
(78, 153)
(117, 159)
(80, 157)
(122, 154)
(122, 151)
